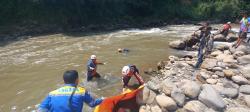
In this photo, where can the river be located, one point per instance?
(30, 68)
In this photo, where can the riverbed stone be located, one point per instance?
(244, 47)
(216, 53)
(237, 109)
(231, 37)
(229, 92)
(245, 89)
(211, 81)
(228, 73)
(217, 69)
(178, 44)
(167, 86)
(245, 70)
(194, 106)
(229, 84)
(145, 108)
(220, 74)
(191, 88)
(155, 108)
(244, 59)
(178, 96)
(247, 100)
(146, 96)
(240, 80)
(166, 102)
(238, 54)
(220, 37)
(209, 63)
(211, 98)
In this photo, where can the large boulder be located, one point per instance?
(166, 102)
(240, 80)
(229, 84)
(226, 58)
(209, 63)
(244, 47)
(244, 59)
(178, 96)
(229, 92)
(191, 40)
(220, 37)
(245, 89)
(191, 88)
(245, 70)
(231, 37)
(146, 96)
(145, 108)
(167, 86)
(211, 81)
(211, 98)
(194, 106)
(178, 44)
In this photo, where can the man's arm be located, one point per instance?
(91, 101)
(45, 105)
(139, 78)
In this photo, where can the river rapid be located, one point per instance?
(33, 67)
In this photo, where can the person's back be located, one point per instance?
(68, 98)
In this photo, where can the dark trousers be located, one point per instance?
(200, 51)
(125, 80)
(90, 76)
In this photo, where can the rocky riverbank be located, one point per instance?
(221, 84)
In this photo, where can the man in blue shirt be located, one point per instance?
(92, 67)
(68, 98)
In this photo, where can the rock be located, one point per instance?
(245, 70)
(245, 89)
(160, 65)
(247, 100)
(226, 58)
(228, 73)
(166, 102)
(195, 106)
(209, 63)
(167, 86)
(237, 109)
(221, 74)
(220, 37)
(227, 52)
(244, 59)
(229, 84)
(156, 108)
(154, 84)
(229, 92)
(178, 96)
(211, 81)
(216, 53)
(217, 69)
(215, 76)
(178, 44)
(191, 40)
(221, 47)
(146, 96)
(238, 54)
(240, 80)
(231, 37)
(191, 88)
(145, 108)
(211, 98)
(243, 47)
(205, 75)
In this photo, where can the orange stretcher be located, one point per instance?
(120, 103)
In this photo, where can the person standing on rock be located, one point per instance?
(68, 98)
(226, 28)
(92, 67)
(244, 24)
(204, 34)
(127, 72)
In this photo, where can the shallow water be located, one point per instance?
(33, 67)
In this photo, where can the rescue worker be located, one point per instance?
(226, 28)
(244, 24)
(204, 33)
(68, 98)
(129, 71)
(123, 50)
(92, 67)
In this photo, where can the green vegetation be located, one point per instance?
(76, 13)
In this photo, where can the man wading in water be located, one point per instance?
(204, 34)
(92, 67)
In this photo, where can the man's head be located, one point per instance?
(119, 50)
(206, 24)
(70, 77)
(93, 57)
(229, 23)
